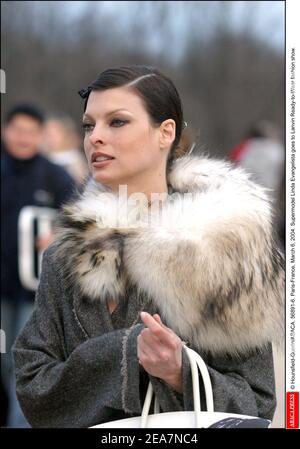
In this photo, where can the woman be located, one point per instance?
(205, 269)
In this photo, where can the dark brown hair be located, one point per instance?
(158, 93)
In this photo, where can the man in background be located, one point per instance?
(27, 179)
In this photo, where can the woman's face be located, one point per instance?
(117, 124)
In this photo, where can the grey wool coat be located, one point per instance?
(216, 279)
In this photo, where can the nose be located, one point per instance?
(97, 135)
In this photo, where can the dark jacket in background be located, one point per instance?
(30, 182)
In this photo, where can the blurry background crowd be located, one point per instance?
(226, 59)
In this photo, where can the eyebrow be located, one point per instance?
(107, 114)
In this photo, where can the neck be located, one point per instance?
(146, 185)
(20, 160)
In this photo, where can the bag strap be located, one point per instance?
(196, 362)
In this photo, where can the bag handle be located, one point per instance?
(196, 362)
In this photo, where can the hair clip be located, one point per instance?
(84, 92)
(184, 125)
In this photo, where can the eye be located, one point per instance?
(116, 123)
(119, 122)
(87, 127)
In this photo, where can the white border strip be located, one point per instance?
(292, 201)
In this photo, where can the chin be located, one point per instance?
(105, 178)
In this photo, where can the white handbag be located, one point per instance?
(187, 419)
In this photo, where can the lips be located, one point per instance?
(100, 154)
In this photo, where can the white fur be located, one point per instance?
(204, 246)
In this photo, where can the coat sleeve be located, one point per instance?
(244, 385)
(100, 376)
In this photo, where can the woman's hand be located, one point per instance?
(160, 351)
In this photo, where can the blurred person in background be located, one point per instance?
(61, 144)
(27, 179)
(261, 153)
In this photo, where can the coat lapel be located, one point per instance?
(94, 318)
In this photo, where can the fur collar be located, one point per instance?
(210, 264)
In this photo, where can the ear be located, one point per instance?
(167, 133)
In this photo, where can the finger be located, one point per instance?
(149, 351)
(151, 340)
(144, 355)
(157, 353)
(139, 357)
(158, 330)
(158, 319)
(151, 323)
(141, 347)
